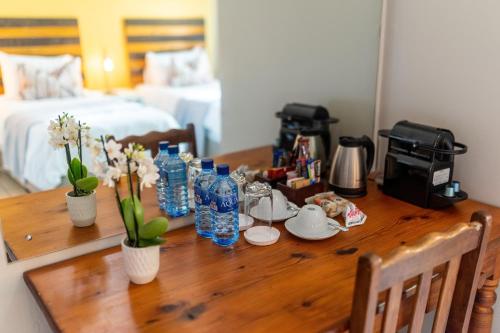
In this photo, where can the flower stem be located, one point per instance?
(68, 159)
(117, 193)
(131, 189)
(138, 187)
(79, 145)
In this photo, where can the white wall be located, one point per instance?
(442, 67)
(274, 52)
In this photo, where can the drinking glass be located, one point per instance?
(258, 204)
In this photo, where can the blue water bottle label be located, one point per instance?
(224, 203)
(201, 196)
(165, 177)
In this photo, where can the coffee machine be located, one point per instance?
(306, 121)
(419, 165)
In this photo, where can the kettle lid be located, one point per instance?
(349, 141)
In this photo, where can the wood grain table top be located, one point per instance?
(44, 215)
(292, 286)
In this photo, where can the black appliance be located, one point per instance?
(419, 164)
(307, 121)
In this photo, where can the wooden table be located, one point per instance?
(292, 286)
(44, 215)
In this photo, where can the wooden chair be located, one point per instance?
(174, 136)
(460, 250)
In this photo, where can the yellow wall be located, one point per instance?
(101, 27)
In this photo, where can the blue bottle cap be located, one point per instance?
(222, 169)
(173, 149)
(207, 164)
(163, 145)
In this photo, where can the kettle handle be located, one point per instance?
(370, 152)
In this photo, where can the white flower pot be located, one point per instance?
(82, 210)
(141, 263)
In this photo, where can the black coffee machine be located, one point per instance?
(311, 121)
(419, 165)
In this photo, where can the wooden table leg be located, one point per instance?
(482, 312)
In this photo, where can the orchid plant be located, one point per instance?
(65, 132)
(130, 161)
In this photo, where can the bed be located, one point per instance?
(26, 153)
(196, 102)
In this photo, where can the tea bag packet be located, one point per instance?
(353, 215)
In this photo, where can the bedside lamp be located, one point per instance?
(107, 65)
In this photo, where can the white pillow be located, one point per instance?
(10, 74)
(39, 83)
(178, 68)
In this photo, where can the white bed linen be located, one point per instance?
(198, 104)
(27, 154)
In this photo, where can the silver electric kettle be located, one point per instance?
(350, 166)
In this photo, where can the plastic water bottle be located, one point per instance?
(224, 208)
(159, 161)
(202, 198)
(176, 183)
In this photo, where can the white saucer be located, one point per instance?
(245, 221)
(291, 212)
(262, 235)
(291, 226)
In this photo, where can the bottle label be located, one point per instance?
(201, 196)
(165, 177)
(224, 203)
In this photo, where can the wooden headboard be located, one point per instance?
(159, 35)
(39, 36)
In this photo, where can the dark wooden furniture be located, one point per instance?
(461, 251)
(44, 215)
(174, 136)
(159, 35)
(291, 286)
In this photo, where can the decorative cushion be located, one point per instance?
(39, 83)
(11, 63)
(178, 68)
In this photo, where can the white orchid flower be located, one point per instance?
(112, 174)
(147, 172)
(113, 149)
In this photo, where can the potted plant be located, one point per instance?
(141, 246)
(65, 132)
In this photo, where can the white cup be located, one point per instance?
(311, 219)
(280, 206)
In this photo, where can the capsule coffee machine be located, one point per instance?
(419, 165)
(306, 121)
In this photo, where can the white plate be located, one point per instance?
(262, 235)
(290, 225)
(291, 212)
(245, 222)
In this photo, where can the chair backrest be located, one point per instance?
(174, 136)
(460, 250)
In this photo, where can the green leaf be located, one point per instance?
(76, 168)
(138, 211)
(70, 177)
(154, 228)
(151, 242)
(84, 171)
(87, 184)
(128, 216)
